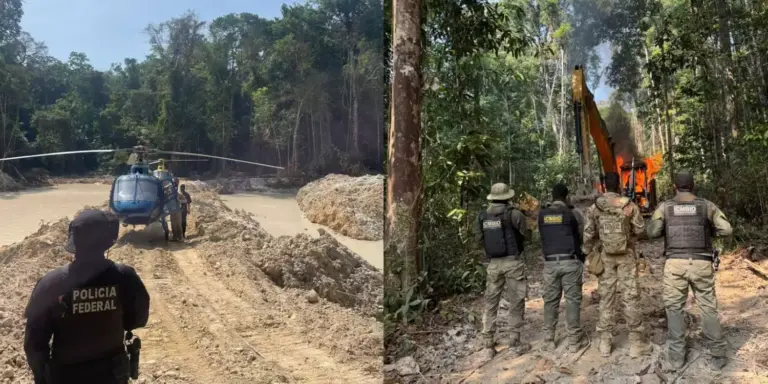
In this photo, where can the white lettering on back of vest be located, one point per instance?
(684, 210)
(94, 299)
(491, 224)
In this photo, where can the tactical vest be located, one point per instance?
(556, 225)
(500, 238)
(88, 320)
(613, 224)
(687, 228)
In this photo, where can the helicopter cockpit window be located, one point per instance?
(135, 189)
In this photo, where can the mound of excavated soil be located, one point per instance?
(232, 304)
(353, 206)
(7, 183)
(322, 264)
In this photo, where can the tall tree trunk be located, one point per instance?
(561, 141)
(354, 103)
(670, 142)
(404, 184)
(295, 151)
(733, 109)
(653, 137)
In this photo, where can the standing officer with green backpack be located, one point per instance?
(612, 226)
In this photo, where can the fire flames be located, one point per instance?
(642, 177)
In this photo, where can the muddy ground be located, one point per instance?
(444, 348)
(232, 304)
(352, 206)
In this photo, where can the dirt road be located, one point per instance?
(216, 315)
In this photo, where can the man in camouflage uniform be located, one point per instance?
(616, 222)
(688, 224)
(502, 231)
(560, 227)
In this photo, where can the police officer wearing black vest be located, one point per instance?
(502, 232)
(87, 307)
(560, 228)
(688, 224)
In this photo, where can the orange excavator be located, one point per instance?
(637, 175)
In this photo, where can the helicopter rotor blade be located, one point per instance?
(177, 160)
(64, 153)
(219, 157)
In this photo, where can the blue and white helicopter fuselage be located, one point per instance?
(143, 197)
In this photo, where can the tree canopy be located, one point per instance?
(304, 91)
(690, 82)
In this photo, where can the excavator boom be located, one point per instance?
(589, 124)
(637, 177)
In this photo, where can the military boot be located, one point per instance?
(718, 362)
(488, 352)
(577, 346)
(517, 346)
(673, 363)
(604, 345)
(548, 345)
(638, 346)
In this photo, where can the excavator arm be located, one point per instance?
(589, 122)
(637, 176)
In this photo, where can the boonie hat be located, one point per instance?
(501, 191)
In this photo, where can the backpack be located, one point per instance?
(613, 224)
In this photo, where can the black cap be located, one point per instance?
(559, 191)
(93, 231)
(684, 180)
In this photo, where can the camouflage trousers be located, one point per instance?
(563, 277)
(699, 275)
(506, 275)
(620, 274)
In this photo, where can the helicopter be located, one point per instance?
(145, 196)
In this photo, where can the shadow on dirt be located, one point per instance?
(151, 238)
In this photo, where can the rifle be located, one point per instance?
(133, 346)
(716, 259)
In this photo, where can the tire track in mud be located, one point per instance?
(211, 351)
(163, 339)
(282, 347)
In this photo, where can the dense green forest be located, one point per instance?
(690, 80)
(304, 91)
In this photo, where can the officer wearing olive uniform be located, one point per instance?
(688, 224)
(502, 232)
(560, 229)
(611, 229)
(86, 306)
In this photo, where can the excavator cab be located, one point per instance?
(638, 186)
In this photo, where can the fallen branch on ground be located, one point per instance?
(756, 268)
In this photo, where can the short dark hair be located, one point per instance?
(559, 191)
(684, 181)
(182, 186)
(612, 182)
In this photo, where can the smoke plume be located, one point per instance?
(619, 124)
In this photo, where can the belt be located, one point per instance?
(682, 256)
(560, 257)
